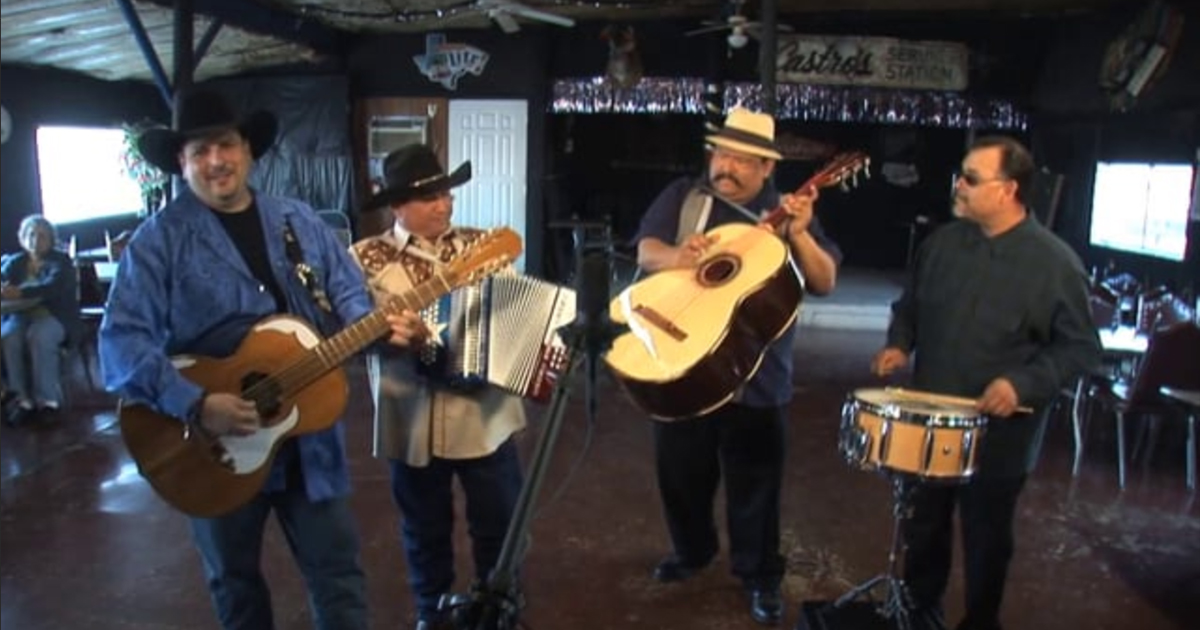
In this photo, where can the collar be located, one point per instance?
(406, 238)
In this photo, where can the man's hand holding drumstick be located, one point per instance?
(999, 397)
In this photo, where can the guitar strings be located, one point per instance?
(287, 382)
(838, 170)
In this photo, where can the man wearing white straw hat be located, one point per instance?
(741, 442)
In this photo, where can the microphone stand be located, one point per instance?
(495, 604)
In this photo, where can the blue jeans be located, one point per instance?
(426, 501)
(323, 540)
(36, 338)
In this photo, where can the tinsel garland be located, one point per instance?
(825, 103)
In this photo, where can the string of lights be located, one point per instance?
(466, 7)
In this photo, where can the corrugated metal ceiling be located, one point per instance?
(93, 36)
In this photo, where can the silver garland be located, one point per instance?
(823, 103)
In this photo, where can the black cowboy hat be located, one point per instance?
(203, 113)
(414, 171)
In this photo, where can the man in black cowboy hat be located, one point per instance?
(741, 441)
(427, 429)
(193, 280)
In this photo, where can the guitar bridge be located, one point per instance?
(662, 323)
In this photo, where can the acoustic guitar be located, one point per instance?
(293, 377)
(697, 335)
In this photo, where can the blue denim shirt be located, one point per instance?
(183, 287)
(771, 385)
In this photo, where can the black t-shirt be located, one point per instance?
(246, 231)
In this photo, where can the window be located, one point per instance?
(1142, 207)
(81, 176)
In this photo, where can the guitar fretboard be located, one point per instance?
(335, 350)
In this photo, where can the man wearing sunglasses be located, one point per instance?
(997, 311)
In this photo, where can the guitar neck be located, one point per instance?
(336, 349)
(836, 171)
(775, 217)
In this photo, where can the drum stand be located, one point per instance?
(896, 603)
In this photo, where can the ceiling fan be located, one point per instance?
(505, 12)
(740, 28)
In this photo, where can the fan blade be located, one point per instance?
(504, 21)
(542, 16)
(755, 29)
(708, 29)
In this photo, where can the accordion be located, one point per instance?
(502, 331)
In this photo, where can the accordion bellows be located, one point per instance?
(502, 331)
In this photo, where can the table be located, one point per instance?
(15, 305)
(1124, 340)
(1189, 398)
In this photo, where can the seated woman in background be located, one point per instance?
(34, 336)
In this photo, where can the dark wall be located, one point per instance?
(52, 97)
(614, 165)
(1076, 127)
(998, 67)
(312, 156)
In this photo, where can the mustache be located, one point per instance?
(719, 176)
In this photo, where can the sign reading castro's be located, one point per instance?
(873, 61)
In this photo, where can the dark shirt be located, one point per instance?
(246, 231)
(772, 385)
(1012, 306)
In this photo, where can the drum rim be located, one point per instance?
(891, 411)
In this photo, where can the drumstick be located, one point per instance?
(950, 400)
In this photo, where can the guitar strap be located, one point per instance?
(304, 272)
(693, 218)
(693, 215)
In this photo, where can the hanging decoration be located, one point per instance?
(445, 63)
(624, 67)
(817, 103)
(150, 179)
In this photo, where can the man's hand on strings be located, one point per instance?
(407, 328)
(688, 253)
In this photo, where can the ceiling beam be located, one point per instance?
(251, 16)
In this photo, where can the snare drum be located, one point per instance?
(911, 433)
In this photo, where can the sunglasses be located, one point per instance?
(972, 180)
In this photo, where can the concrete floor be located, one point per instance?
(86, 544)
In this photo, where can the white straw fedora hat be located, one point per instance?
(747, 132)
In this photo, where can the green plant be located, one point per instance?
(149, 178)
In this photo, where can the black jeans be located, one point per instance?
(986, 509)
(425, 496)
(744, 446)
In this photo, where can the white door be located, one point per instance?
(492, 135)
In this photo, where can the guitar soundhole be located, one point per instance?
(265, 396)
(719, 270)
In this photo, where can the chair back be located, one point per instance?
(1164, 311)
(1172, 359)
(1104, 312)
